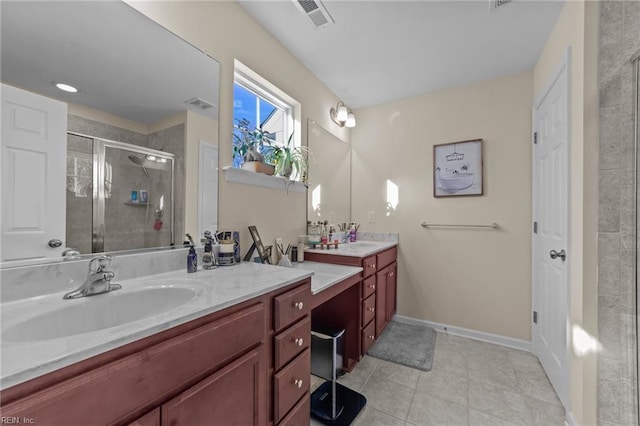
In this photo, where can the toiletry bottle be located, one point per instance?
(192, 260)
(207, 257)
(352, 234)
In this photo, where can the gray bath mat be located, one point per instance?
(406, 344)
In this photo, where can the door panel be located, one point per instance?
(550, 188)
(33, 174)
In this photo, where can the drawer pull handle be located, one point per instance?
(390, 274)
(371, 309)
(371, 337)
(299, 341)
(298, 305)
(298, 383)
(373, 265)
(372, 286)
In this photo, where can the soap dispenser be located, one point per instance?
(192, 257)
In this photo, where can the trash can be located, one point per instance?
(332, 403)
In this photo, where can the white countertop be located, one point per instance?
(215, 290)
(357, 249)
(326, 275)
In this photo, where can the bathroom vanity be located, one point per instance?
(363, 307)
(237, 353)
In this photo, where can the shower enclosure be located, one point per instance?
(120, 196)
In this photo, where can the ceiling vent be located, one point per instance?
(316, 12)
(199, 103)
(495, 4)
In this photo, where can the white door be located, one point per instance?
(33, 158)
(550, 285)
(208, 188)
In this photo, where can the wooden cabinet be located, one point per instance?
(378, 290)
(230, 396)
(292, 354)
(385, 296)
(215, 370)
(150, 419)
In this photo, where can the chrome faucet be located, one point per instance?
(98, 281)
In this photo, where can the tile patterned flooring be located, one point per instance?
(471, 383)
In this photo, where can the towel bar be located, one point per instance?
(494, 225)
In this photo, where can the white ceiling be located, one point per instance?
(378, 51)
(122, 62)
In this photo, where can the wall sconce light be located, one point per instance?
(342, 116)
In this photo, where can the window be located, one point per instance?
(258, 104)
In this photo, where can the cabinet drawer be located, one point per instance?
(291, 342)
(368, 336)
(368, 309)
(387, 257)
(291, 306)
(368, 286)
(369, 265)
(291, 384)
(146, 375)
(300, 413)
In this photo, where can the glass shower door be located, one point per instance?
(134, 208)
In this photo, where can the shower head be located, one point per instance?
(139, 161)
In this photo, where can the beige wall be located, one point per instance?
(225, 31)
(477, 279)
(576, 29)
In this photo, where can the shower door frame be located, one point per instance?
(636, 140)
(99, 195)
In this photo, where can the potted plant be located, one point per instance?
(289, 159)
(248, 144)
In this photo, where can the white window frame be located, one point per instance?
(253, 82)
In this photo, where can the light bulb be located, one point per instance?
(342, 113)
(351, 120)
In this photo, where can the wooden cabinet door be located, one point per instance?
(231, 396)
(381, 300)
(150, 419)
(392, 290)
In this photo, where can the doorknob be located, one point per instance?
(55, 243)
(561, 254)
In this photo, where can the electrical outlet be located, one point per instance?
(372, 217)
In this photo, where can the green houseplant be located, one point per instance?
(289, 159)
(248, 145)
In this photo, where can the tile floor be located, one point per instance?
(471, 383)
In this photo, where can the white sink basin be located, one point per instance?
(99, 312)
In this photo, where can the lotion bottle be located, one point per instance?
(192, 260)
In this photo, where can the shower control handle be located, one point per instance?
(558, 254)
(55, 243)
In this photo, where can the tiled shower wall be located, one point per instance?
(617, 382)
(130, 227)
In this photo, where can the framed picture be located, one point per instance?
(262, 252)
(457, 169)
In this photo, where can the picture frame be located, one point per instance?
(257, 242)
(457, 169)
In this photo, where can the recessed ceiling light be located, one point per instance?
(65, 87)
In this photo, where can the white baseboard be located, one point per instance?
(496, 339)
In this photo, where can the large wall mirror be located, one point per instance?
(329, 194)
(144, 98)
